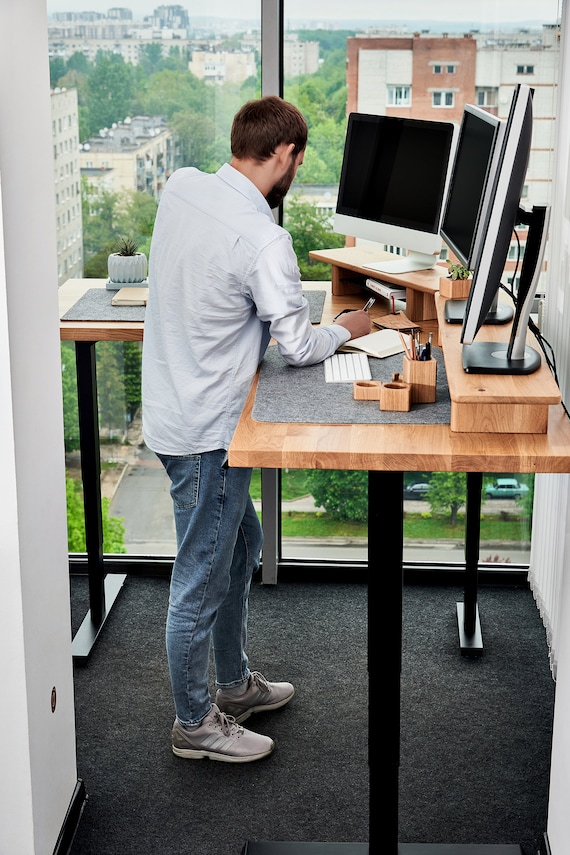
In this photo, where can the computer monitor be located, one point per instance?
(501, 212)
(392, 186)
(473, 173)
(470, 173)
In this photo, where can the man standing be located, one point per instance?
(223, 280)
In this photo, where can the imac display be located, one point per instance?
(472, 179)
(392, 186)
(500, 214)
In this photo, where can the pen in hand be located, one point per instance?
(369, 304)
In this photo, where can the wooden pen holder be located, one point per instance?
(395, 395)
(366, 390)
(421, 375)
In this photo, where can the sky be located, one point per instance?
(452, 10)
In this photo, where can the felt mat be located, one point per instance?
(95, 305)
(287, 394)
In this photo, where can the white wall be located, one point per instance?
(37, 746)
(550, 555)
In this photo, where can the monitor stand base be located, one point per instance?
(454, 311)
(490, 357)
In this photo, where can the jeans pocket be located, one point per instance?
(184, 474)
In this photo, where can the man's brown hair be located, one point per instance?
(260, 126)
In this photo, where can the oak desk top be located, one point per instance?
(420, 448)
(69, 293)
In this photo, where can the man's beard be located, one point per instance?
(281, 188)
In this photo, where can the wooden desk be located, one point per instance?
(387, 451)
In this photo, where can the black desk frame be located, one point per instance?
(103, 589)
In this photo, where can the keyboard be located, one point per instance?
(347, 367)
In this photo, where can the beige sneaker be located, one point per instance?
(219, 737)
(259, 696)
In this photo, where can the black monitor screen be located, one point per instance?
(469, 177)
(394, 170)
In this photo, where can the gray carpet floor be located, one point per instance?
(475, 733)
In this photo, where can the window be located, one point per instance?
(119, 417)
(444, 98)
(486, 97)
(399, 96)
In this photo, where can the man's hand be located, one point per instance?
(357, 323)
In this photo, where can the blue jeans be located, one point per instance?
(219, 542)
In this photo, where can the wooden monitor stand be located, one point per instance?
(495, 403)
(349, 273)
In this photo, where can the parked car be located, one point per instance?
(416, 491)
(506, 488)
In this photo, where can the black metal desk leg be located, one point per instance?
(470, 638)
(102, 592)
(385, 584)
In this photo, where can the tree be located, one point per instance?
(113, 528)
(111, 91)
(168, 92)
(344, 495)
(57, 69)
(196, 135)
(110, 385)
(108, 215)
(132, 356)
(310, 229)
(447, 493)
(69, 390)
(150, 58)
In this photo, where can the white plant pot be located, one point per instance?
(126, 269)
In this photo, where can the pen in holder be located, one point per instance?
(395, 395)
(421, 375)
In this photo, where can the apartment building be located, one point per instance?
(67, 180)
(137, 154)
(223, 66)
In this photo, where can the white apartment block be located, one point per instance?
(223, 66)
(67, 181)
(299, 57)
(135, 155)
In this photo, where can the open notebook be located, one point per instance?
(380, 344)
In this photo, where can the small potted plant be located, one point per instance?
(456, 285)
(126, 265)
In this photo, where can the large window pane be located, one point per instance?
(137, 92)
(192, 78)
(420, 71)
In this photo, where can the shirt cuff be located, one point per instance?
(340, 333)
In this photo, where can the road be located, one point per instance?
(141, 498)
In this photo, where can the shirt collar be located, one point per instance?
(243, 185)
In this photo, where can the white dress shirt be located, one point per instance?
(223, 280)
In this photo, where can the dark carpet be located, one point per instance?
(475, 733)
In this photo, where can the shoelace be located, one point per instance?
(260, 681)
(228, 724)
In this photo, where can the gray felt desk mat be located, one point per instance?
(95, 305)
(287, 394)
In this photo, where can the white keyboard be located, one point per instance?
(346, 367)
